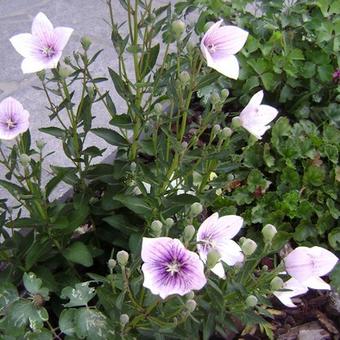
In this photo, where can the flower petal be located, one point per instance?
(228, 39)
(62, 36)
(296, 288)
(42, 27)
(229, 225)
(324, 260)
(154, 249)
(32, 64)
(316, 283)
(230, 251)
(219, 270)
(10, 105)
(23, 43)
(299, 264)
(256, 130)
(226, 65)
(206, 227)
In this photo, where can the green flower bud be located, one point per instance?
(190, 305)
(236, 122)
(276, 283)
(251, 301)
(212, 176)
(190, 46)
(122, 258)
(40, 144)
(241, 240)
(224, 94)
(124, 319)
(190, 295)
(265, 268)
(86, 42)
(212, 258)
(216, 129)
(248, 247)
(65, 71)
(230, 177)
(67, 60)
(195, 209)
(215, 98)
(169, 222)
(268, 232)
(158, 108)
(184, 77)
(178, 27)
(189, 232)
(226, 133)
(25, 160)
(133, 167)
(111, 263)
(184, 146)
(156, 227)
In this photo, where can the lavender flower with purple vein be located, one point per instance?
(13, 118)
(217, 233)
(43, 48)
(169, 268)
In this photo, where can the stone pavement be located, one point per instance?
(86, 17)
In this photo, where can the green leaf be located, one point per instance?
(136, 204)
(33, 284)
(23, 312)
(121, 223)
(314, 176)
(110, 136)
(54, 131)
(36, 251)
(79, 253)
(334, 239)
(78, 296)
(8, 294)
(121, 88)
(66, 321)
(149, 61)
(123, 121)
(41, 334)
(91, 324)
(84, 112)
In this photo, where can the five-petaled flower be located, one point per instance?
(217, 233)
(305, 265)
(219, 44)
(13, 118)
(169, 268)
(43, 48)
(308, 264)
(255, 116)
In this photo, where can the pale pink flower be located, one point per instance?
(13, 118)
(169, 268)
(43, 48)
(307, 265)
(219, 44)
(217, 233)
(295, 289)
(255, 116)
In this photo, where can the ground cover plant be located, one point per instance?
(221, 205)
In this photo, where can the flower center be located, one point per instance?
(10, 124)
(173, 267)
(212, 48)
(48, 51)
(208, 243)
